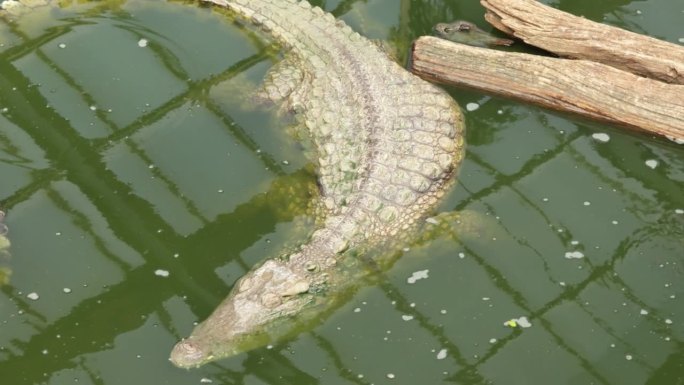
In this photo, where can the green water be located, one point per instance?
(121, 163)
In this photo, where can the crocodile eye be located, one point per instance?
(448, 29)
(463, 27)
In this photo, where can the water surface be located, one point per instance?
(139, 185)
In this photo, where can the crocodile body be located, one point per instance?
(387, 146)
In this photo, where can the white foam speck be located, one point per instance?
(643, 312)
(356, 310)
(628, 357)
(406, 317)
(524, 322)
(205, 380)
(417, 275)
(161, 273)
(587, 203)
(472, 106)
(66, 290)
(142, 43)
(443, 311)
(679, 211)
(62, 45)
(432, 221)
(601, 137)
(492, 340)
(574, 255)
(442, 354)
(668, 321)
(681, 40)
(390, 375)
(461, 255)
(651, 163)
(93, 108)
(34, 296)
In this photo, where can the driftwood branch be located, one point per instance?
(583, 87)
(576, 37)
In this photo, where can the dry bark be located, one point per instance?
(575, 37)
(583, 87)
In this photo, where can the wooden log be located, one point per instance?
(575, 37)
(582, 87)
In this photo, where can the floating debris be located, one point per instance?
(601, 137)
(472, 106)
(651, 163)
(679, 211)
(142, 43)
(643, 312)
(161, 273)
(442, 354)
(390, 375)
(407, 317)
(417, 275)
(62, 45)
(574, 255)
(523, 322)
(33, 296)
(668, 321)
(66, 290)
(628, 357)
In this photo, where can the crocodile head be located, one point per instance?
(468, 33)
(260, 309)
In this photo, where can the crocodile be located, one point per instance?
(387, 146)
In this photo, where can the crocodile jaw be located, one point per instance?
(260, 309)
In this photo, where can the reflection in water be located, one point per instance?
(5, 271)
(101, 200)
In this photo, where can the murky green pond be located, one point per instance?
(139, 183)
